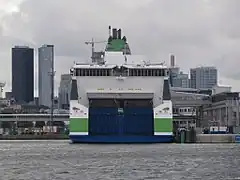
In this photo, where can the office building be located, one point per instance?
(222, 111)
(177, 78)
(23, 74)
(203, 77)
(64, 91)
(220, 89)
(180, 80)
(173, 70)
(186, 103)
(45, 79)
(98, 57)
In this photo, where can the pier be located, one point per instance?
(19, 124)
(33, 117)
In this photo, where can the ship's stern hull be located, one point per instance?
(120, 125)
(121, 139)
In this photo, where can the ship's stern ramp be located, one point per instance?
(116, 115)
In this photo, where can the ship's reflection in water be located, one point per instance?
(60, 160)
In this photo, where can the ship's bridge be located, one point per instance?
(133, 68)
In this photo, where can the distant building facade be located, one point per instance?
(222, 111)
(186, 103)
(220, 89)
(98, 57)
(177, 78)
(23, 74)
(180, 80)
(45, 67)
(64, 91)
(203, 77)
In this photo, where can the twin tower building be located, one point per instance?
(23, 72)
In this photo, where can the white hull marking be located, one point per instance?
(163, 133)
(78, 133)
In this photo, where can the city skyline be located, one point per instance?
(43, 68)
(45, 65)
(195, 31)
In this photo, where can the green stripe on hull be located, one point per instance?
(163, 125)
(78, 125)
(160, 125)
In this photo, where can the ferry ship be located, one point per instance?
(120, 98)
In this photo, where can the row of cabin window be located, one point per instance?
(130, 72)
(147, 72)
(184, 110)
(93, 72)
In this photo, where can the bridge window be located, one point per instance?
(92, 72)
(120, 71)
(147, 72)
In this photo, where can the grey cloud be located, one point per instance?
(198, 32)
(69, 23)
(228, 17)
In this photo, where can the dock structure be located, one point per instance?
(18, 124)
(33, 117)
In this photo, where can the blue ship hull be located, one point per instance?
(121, 139)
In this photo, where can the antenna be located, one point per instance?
(52, 74)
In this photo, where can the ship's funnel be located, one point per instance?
(114, 33)
(119, 34)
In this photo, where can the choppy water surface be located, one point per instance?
(60, 160)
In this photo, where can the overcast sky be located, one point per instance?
(198, 32)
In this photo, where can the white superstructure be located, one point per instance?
(132, 77)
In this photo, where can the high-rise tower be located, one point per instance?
(203, 77)
(23, 74)
(45, 70)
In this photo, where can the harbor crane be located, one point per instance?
(92, 42)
